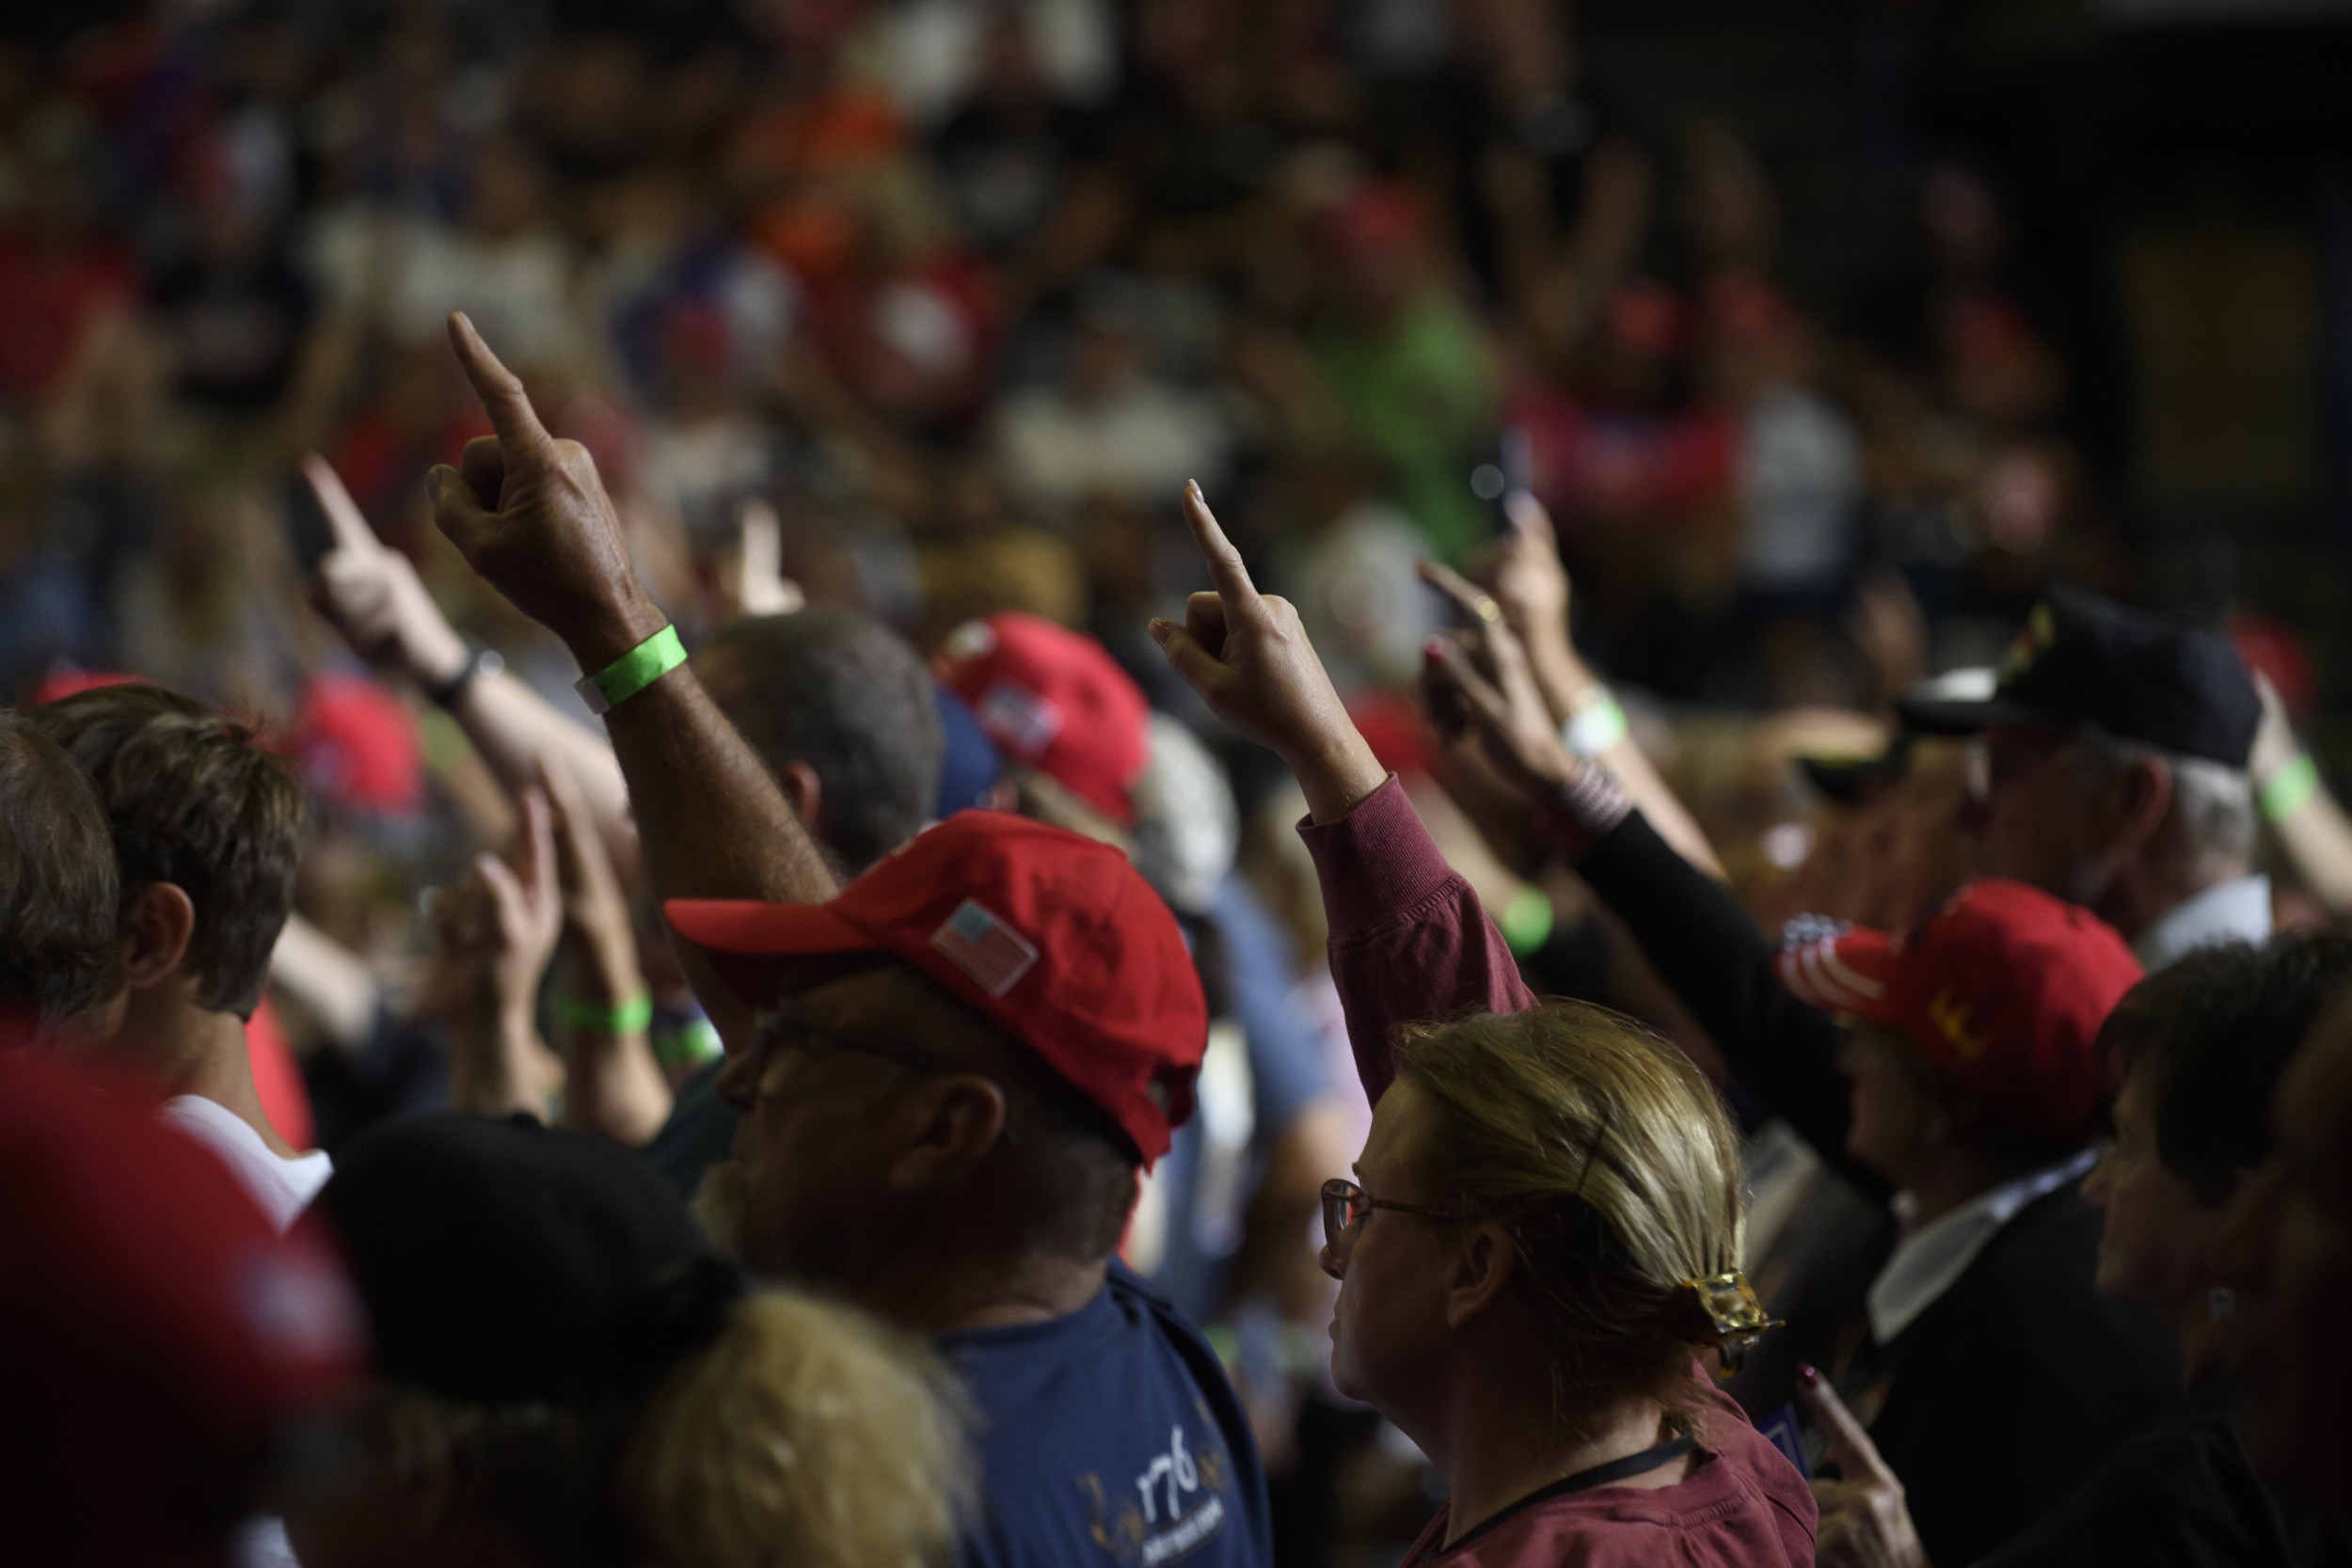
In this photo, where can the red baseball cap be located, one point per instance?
(358, 745)
(1056, 701)
(157, 1335)
(2003, 991)
(1045, 932)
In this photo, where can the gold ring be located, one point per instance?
(1488, 611)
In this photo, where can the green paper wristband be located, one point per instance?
(691, 1045)
(1526, 920)
(630, 673)
(1594, 729)
(2284, 792)
(595, 1017)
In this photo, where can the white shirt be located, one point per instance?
(2236, 911)
(1929, 1260)
(283, 1187)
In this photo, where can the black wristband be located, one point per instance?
(481, 660)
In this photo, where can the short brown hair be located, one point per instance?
(1610, 1162)
(193, 799)
(59, 891)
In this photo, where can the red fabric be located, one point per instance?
(1054, 700)
(2003, 991)
(155, 1332)
(358, 745)
(68, 682)
(1745, 1508)
(278, 1082)
(1408, 939)
(45, 303)
(1048, 933)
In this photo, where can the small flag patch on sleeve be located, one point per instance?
(977, 942)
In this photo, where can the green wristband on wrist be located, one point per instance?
(630, 673)
(1526, 922)
(2284, 792)
(1593, 728)
(689, 1045)
(596, 1017)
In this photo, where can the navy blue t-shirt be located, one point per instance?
(1109, 1438)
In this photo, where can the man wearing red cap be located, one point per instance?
(951, 1071)
(1995, 1376)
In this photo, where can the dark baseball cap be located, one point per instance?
(505, 1263)
(2082, 661)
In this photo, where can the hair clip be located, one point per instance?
(1736, 1317)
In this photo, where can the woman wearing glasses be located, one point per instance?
(1543, 1226)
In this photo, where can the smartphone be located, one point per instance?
(308, 531)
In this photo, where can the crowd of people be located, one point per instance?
(668, 895)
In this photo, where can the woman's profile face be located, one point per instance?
(1891, 1113)
(1388, 1327)
(2157, 1239)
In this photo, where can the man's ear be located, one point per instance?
(1481, 1273)
(953, 1121)
(804, 791)
(2139, 795)
(155, 929)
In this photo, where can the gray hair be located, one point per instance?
(2212, 803)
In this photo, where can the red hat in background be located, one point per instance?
(66, 681)
(156, 1334)
(1050, 935)
(2003, 991)
(1054, 700)
(358, 745)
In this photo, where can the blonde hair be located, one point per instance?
(1612, 1164)
(808, 1433)
(805, 1434)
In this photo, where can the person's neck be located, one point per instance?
(2149, 891)
(1500, 1439)
(927, 1292)
(198, 1053)
(2204, 1342)
(1945, 1180)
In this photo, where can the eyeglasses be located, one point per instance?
(786, 1027)
(792, 1030)
(1346, 1206)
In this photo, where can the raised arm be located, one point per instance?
(528, 511)
(1703, 944)
(1408, 940)
(375, 599)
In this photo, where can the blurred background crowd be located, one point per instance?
(1830, 333)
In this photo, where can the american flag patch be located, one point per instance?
(1019, 718)
(984, 947)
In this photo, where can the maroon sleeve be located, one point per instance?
(1409, 943)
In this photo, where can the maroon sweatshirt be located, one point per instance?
(1409, 943)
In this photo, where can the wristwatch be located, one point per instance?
(482, 661)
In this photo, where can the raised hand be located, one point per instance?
(1479, 683)
(595, 911)
(1248, 658)
(1864, 1523)
(495, 930)
(529, 512)
(373, 595)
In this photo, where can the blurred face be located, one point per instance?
(2295, 1390)
(2032, 816)
(2157, 1243)
(810, 1180)
(1892, 1111)
(1389, 1329)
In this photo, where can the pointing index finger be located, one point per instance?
(1225, 564)
(499, 389)
(1856, 1455)
(342, 513)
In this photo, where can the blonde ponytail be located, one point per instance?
(805, 1434)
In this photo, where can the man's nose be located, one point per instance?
(734, 1085)
(1332, 1265)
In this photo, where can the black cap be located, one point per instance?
(2083, 661)
(502, 1262)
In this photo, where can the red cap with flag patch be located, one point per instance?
(1048, 934)
(2003, 991)
(1056, 701)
